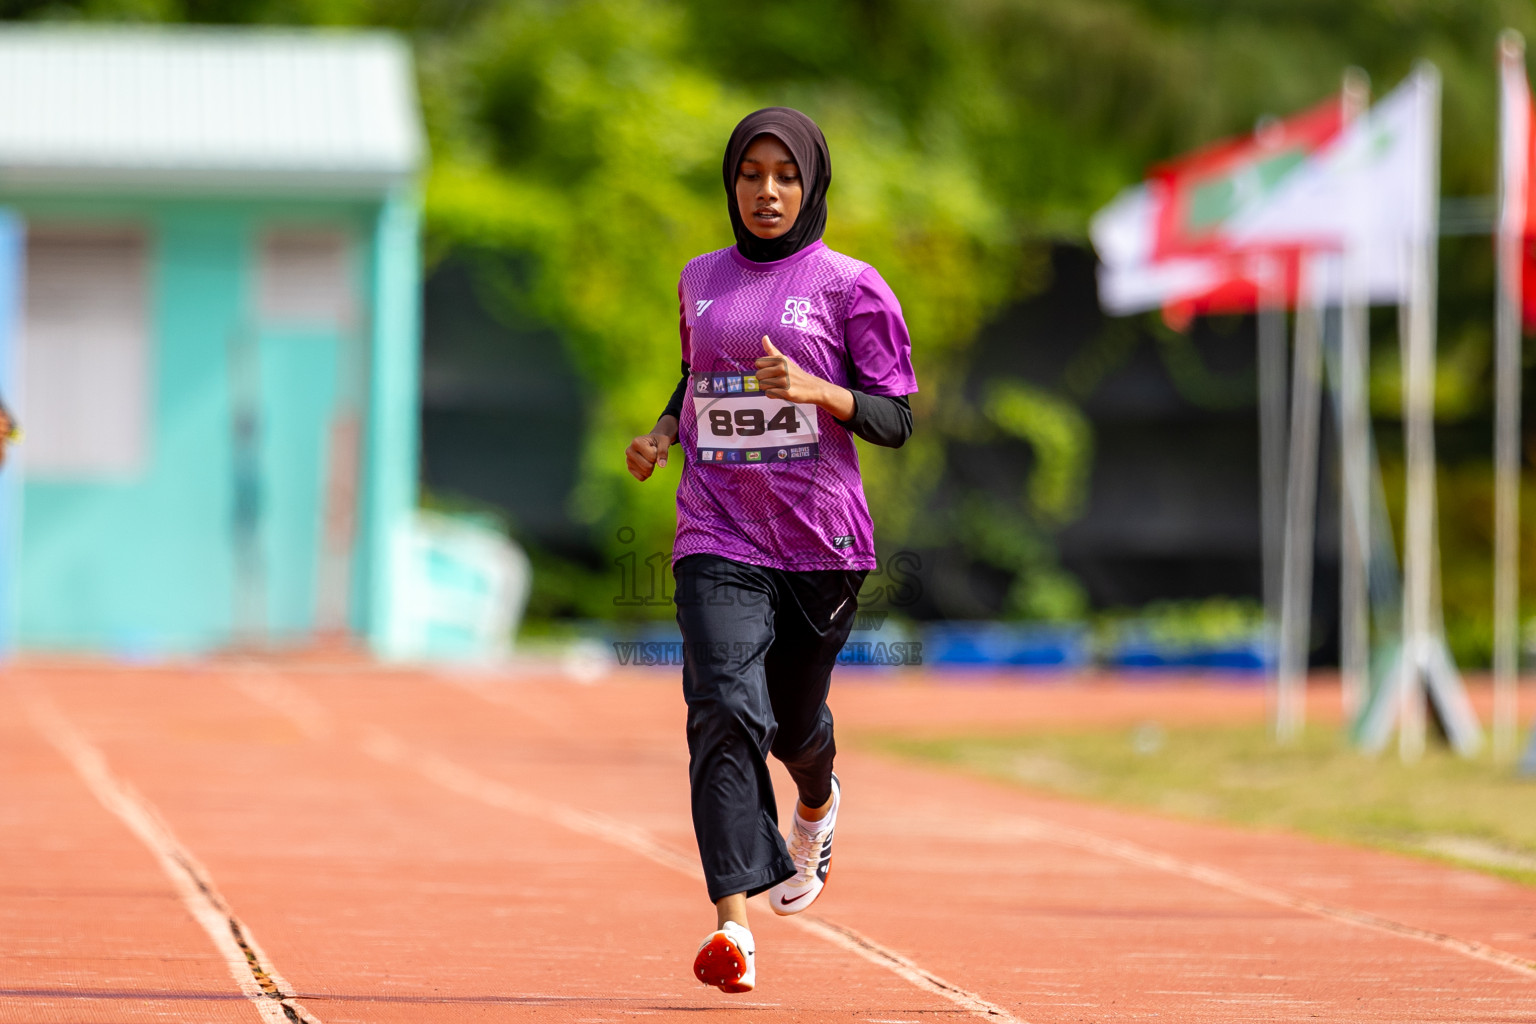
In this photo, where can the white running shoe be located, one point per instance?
(812, 854)
(727, 959)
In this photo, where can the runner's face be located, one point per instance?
(768, 190)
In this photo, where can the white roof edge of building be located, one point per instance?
(223, 108)
(167, 30)
(190, 183)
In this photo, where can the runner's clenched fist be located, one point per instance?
(648, 452)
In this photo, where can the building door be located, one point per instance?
(298, 408)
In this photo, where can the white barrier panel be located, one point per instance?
(459, 593)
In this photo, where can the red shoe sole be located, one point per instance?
(721, 964)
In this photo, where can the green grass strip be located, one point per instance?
(1466, 811)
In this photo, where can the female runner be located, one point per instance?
(789, 349)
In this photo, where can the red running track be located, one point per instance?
(270, 843)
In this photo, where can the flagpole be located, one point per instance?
(1300, 510)
(1418, 415)
(1354, 433)
(1273, 392)
(1515, 145)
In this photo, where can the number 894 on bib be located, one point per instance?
(741, 429)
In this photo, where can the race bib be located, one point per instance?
(737, 425)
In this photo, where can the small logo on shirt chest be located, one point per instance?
(701, 305)
(796, 312)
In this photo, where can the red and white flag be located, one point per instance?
(1367, 195)
(1165, 243)
(1229, 228)
(1517, 154)
(1206, 191)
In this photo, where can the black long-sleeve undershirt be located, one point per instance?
(879, 419)
(885, 420)
(675, 403)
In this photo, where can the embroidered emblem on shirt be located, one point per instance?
(795, 310)
(842, 542)
(700, 306)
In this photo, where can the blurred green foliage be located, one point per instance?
(1182, 625)
(1466, 554)
(583, 134)
(584, 138)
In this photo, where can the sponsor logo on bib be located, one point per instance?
(738, 423)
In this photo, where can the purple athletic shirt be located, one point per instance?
(768, 482)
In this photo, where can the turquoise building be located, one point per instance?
(216, 344)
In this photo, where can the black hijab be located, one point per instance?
(809, 148)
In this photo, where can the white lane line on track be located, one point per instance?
(1042, 830)
(252, 970)
(465, 781)
(310, 716)
(921, 977)
(1013, 827)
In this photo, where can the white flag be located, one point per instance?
(1130, 280)
(1366, 194)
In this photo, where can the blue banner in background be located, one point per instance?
(11, 257)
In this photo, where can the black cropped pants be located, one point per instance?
(758, 650)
